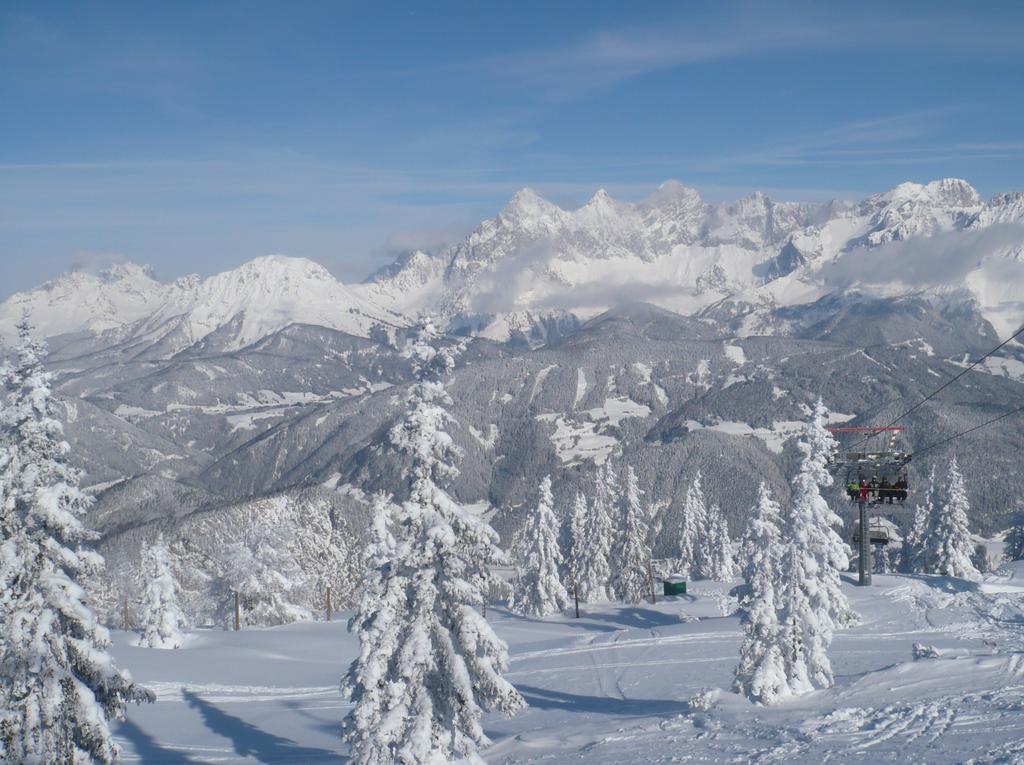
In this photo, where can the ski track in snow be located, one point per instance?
(613, 687)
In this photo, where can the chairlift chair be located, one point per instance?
(877, 461)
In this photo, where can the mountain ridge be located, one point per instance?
(535, 264)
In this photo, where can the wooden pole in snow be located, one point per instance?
(576, 597)
(238, 612)
(650, 579)
(330, 612)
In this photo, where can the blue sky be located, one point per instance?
(196, 135)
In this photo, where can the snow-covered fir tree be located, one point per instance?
(1013, 546)
(576, 560)
(538, 588)
(261, 568)
(608, 494)
(595, 572)
(826, 545)
(633, 552)
(692, 525)
(913, 559)
(950, 547)
(804, 632)
(812, 600)
(429, 664)
(717, 556)
(60, 685)
(163, 622)
(761, 673)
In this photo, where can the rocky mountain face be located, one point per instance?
(670, 334)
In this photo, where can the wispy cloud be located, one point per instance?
(607, 58)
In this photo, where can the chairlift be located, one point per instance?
(875, 472)
(878, 533)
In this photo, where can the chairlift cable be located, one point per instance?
(947, 384)
(969, 430)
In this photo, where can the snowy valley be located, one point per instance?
(602, 402)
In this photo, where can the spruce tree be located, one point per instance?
(761, 674)
(538, 589)
(950, 547)
(692, 525)
(914, 556)
(579, 547)
(162, 618)
(718, 563)
(812, 601)
(633, 558)
(1013, 547)
(261, 568)
(60, 685)
(596, 569)
(827, 547)
(429, 664)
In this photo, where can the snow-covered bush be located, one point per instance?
(261, 567)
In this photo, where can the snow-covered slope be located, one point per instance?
(636, 684)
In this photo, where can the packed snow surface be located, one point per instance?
(637, 684)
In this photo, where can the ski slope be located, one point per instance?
(628, 684)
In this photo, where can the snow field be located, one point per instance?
(616, 686)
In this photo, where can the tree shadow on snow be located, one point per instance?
(581, 623)
(545, 698)
(250, 741)
(638, 618)
(147, 748)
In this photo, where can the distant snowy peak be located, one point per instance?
(674, 248)
(913, 209)
(242, 305)
(92, 301)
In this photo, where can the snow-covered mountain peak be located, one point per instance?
(914, 209)
(527, 207)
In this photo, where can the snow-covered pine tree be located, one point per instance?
(538, 588)
(803, 633)
(633, 554)
(576, 563)
(261, 568)
(162, 619)
(949, 546)
(813, 602)
(718, 562)
(60, 685)
(692, 525)
(914, 556)
(761, 673)
(826, 545)
(1013, 546)
(429, 664)
(595, 567)
(608, 495)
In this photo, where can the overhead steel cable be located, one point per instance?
(947, 383)
(969, 430)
